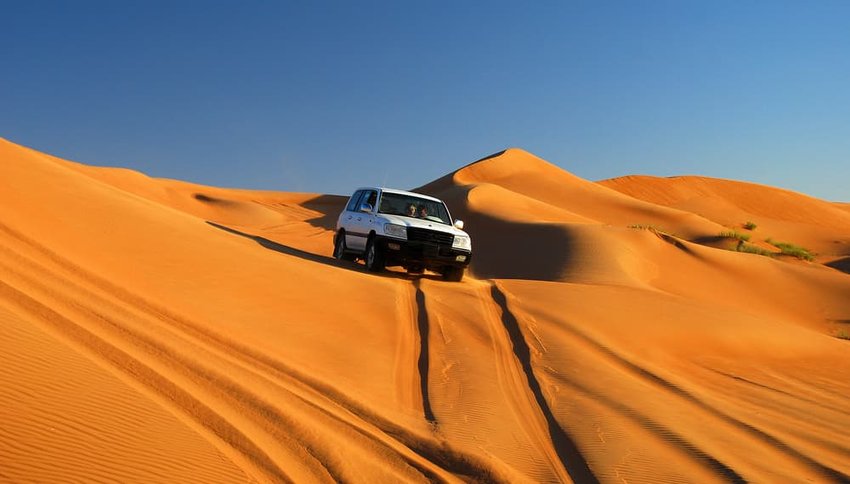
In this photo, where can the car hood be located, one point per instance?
(420, 223)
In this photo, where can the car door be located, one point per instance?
(359, 222)
(347, 216)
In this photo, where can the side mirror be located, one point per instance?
(459, 224)
(366, 208)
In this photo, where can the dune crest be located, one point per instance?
(158, 330)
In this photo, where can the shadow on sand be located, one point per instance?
(513, 250)
(842, 265)
(330, 261)
(504, 249)
(330, 206)
(423, 364)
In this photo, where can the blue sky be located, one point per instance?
(326, 96)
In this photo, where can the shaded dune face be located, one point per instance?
(156, 330)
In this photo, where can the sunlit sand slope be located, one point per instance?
(161, 331)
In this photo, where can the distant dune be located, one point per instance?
(782, 214)
(161, 331)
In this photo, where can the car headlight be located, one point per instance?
(462, 242)
(394, 230)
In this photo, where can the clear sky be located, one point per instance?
(325, 96)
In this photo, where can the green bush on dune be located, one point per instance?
(734, 234)
(750, 225)
(644, 227)
(742, 239)
(752, 249)
(793, 250)
(651, 228)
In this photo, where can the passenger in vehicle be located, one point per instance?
(411, 210)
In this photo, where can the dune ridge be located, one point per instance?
(158, 330)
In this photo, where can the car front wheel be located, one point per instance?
(374, 256)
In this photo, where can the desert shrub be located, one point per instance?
(651, 228)
(734, 234)
(843, 334)
(792, 250)
(752, 249)
(750, 225)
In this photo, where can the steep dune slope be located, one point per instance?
(499, 184)
(532, 220)
(160, 330)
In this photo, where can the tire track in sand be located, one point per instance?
(422, 364)
(412, 362)
(522, 389)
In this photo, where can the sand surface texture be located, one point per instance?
(160, 331)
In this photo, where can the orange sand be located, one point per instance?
(160, 331)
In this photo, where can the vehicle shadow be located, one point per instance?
(394, 273)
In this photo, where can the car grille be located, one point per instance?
(429, 236)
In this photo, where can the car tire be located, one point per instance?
(340, 250)
(374, 256)
(453, 274)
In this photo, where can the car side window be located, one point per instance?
(353, 203)
(368, 196)
(361, 200)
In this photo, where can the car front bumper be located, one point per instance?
(410, 253)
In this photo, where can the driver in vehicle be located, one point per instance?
(423, 211)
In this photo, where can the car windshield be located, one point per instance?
(414, 207)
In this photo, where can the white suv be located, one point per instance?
(387, 227)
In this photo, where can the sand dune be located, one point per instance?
(162, 331)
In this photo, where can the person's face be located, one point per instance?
(423, 212)
(411, 210)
